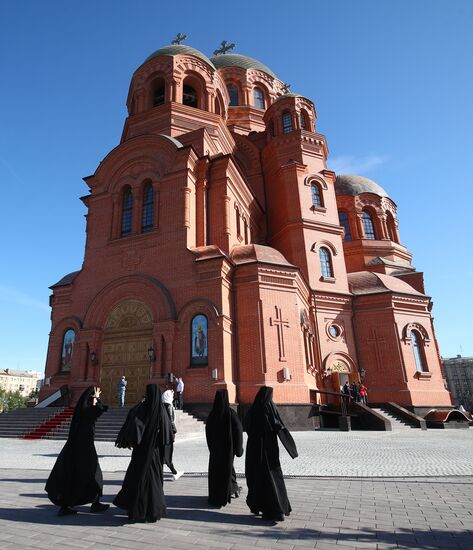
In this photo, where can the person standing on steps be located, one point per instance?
(168, 399)
(180, 391)
(76, 477)
(121, 391)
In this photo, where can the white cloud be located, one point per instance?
(360, 166)
(8, 294)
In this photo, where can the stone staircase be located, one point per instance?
(25, 422)
(20, 422)
(109, 424)
(397, 423)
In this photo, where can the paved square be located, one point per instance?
(369, 511)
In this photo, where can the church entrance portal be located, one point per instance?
(128, 334)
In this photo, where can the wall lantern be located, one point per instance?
(151, 354)
(214, 374)
(93, 358)
(286, 373)
(326, 373)
(362, 374)
(170, 378)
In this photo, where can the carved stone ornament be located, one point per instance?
(340, 366)
(129, 314)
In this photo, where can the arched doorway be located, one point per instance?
(128, 334)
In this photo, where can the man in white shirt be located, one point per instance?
(180, 391)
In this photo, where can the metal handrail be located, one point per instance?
(344, 401)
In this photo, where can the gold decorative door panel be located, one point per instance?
(127, 337)
(127, 358)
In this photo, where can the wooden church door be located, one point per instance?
(127, 336)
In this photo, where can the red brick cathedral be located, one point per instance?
(221, 248)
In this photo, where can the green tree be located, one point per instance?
(12, 400)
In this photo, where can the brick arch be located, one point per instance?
(196, 306)
(136, 154)
(316, 246)
(73, 321)
(420, 329)
(331, 359)
(143, 288)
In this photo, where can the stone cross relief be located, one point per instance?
(378, 350)
(280, 324)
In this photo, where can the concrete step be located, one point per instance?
(19, 422)
(110, 423)
(396, 422)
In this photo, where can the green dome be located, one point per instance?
(347, 184)
(242, 61)
(180, 49)
(291, 94)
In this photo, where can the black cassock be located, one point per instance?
(76, 478)
(266, 488)
(224, 434)
(142, 491)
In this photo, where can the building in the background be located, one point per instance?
(222, 248)
(21, 381)
(459, 374)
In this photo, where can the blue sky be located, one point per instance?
(392, 82)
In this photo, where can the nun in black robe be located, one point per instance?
(266, 488)
(142, 490)
(224, 435)
(76, 477)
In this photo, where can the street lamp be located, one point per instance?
(151, 354)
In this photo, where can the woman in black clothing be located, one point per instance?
(76, 477)
(224, 434)
(266, 488)
(142, 491)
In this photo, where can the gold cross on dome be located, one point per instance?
(285, 88)
(179, 38)
(224, 48)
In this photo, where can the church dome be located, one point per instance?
(242, 61)
(347, 184)
(288, 95)
(180, 49)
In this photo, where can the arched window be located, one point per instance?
(325, 262)
(199, 340)
(368, 226)
(148, 208)
(345, 223)
(127, 213)
(233, 93)
(189, 96)
(67, 349)
(303, 120)
(286, 122)
(258, 96)
(238, 223)
(391, 227)
(418, 351)
(316, 195)
(159, 92)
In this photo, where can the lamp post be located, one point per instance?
(152, 359)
